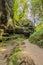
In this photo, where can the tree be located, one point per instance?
(37, 9)
(20, 10)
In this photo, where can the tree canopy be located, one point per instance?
(37, 9)
(20, 9)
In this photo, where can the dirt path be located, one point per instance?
(6, 52)
(34, 52)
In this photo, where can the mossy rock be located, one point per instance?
(1, 33)
(21, 58)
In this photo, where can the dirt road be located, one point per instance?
(35, 52)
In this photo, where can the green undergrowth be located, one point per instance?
(17, 37)
(15, 59)
(20, 58)
(37, 38)
(17, 55)
(39, 27)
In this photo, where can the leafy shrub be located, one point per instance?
(37, 38)
(39, 27)
(19, 38)
(41, 43)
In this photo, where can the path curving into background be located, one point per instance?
(35, 52)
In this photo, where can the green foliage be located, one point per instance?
(20, 10)
(17, 49)
(37, 38)
(15, 59)
(37, 9)
(20, 58)
(39, 27)
(18, 38)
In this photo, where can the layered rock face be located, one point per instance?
(3, 16)
(6, 13)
